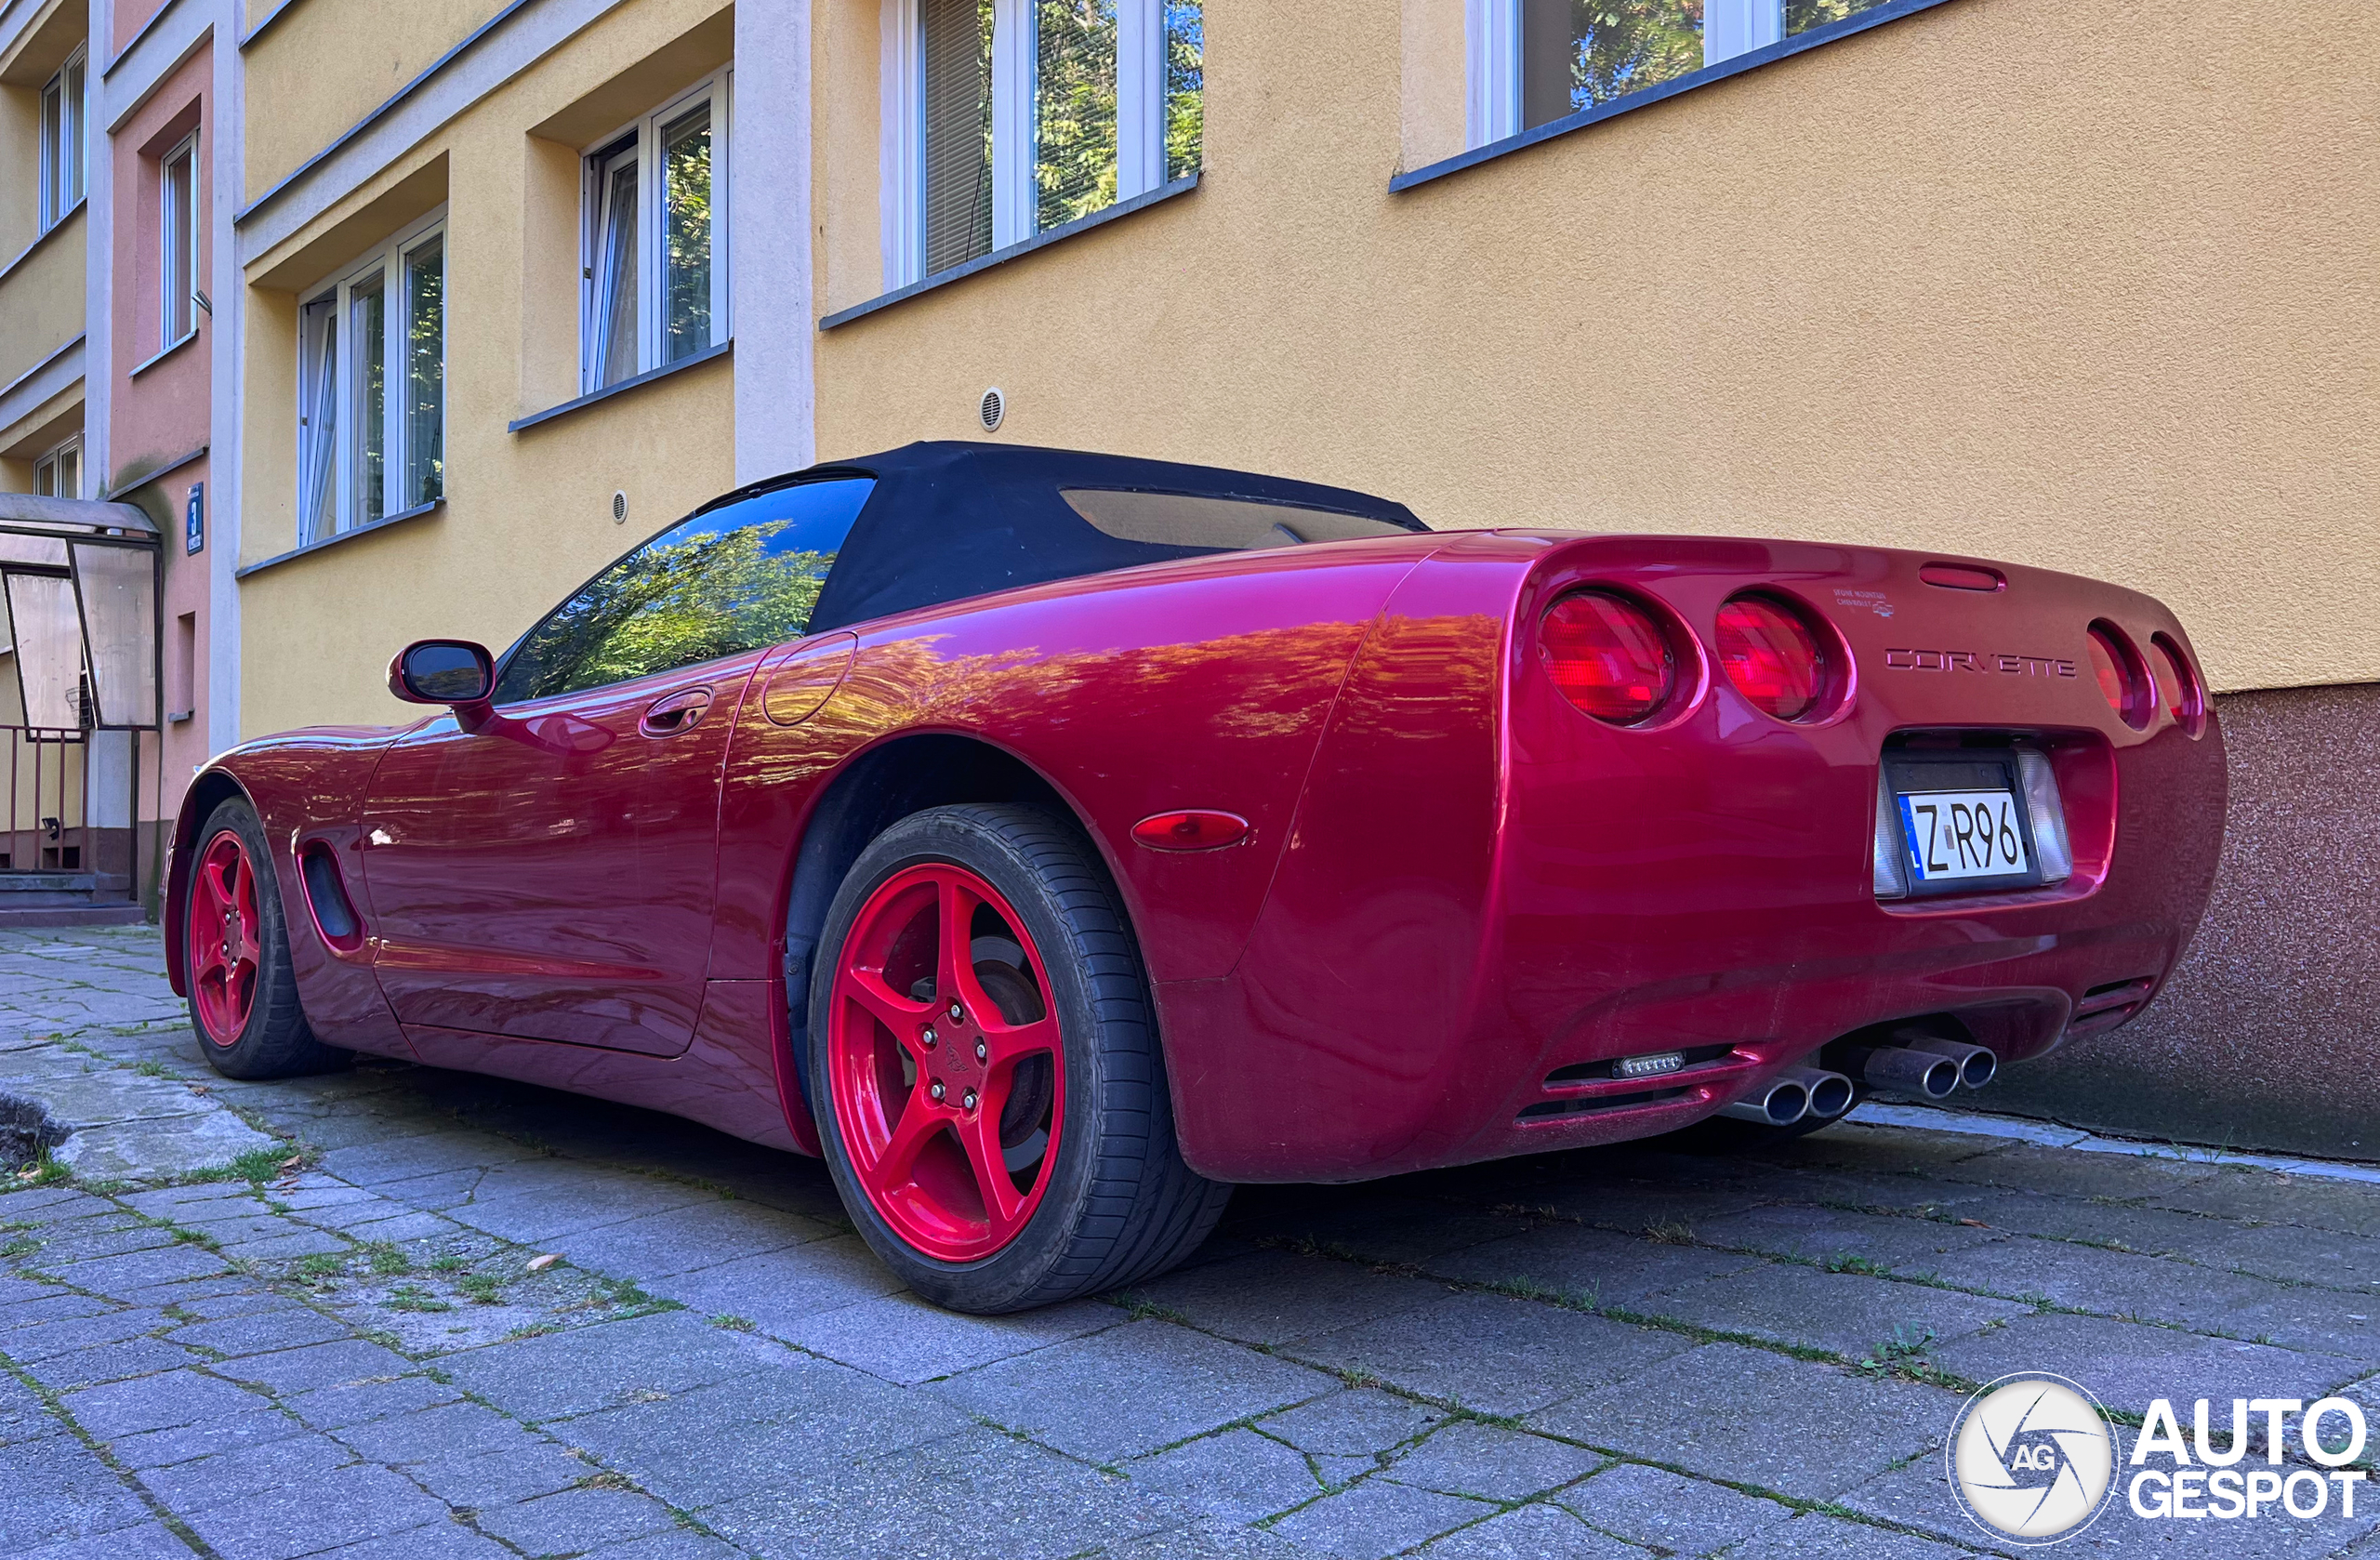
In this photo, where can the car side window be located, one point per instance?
(735, 578)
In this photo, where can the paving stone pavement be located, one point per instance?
(1622, 1354)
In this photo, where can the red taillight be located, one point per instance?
(2185, 695)
(2123, 681)
(1772, 656)
(1608, 656)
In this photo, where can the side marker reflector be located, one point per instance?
(1192, 830)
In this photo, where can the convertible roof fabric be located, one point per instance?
(951, 520)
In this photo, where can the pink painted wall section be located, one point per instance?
(162, 412)
(131, 16)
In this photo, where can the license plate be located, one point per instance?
(1955, 835)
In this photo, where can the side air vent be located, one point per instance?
(334, 912)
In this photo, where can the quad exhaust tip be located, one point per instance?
(1784, 1101)
(1907, 1071)
(1830, 1093)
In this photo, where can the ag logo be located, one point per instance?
(2031, 1460)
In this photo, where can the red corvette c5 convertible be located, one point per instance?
(1053, 840)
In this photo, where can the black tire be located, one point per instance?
(1119, 1204)
(275, 1041)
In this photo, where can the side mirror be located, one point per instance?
(442, 671)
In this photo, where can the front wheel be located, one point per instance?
(985, 1068)
(235, 955)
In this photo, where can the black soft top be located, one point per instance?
(950, 520)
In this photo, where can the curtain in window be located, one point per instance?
(1074, 110)
(615, 279)
(686, 234)
(318, 429)
(74, 106)
(956, 36)
(425, 348)
(367, 326)
(1576, 54)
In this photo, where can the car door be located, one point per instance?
(549, 871)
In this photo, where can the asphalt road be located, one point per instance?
(1621, 1354)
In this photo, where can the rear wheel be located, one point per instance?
(236, 953)
(985, 1068)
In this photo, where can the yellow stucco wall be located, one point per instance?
(528, 515)
(323, 67)
(41, 299)
(2087, 287)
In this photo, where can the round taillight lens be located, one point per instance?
(2185, 695)
(1608, 656)
(1772, 656)
(2123, 681)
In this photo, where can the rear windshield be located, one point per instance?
(1232, 525)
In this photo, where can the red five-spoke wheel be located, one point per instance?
(945, 1062)
(225, 938)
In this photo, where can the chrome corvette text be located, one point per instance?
(1975, 660)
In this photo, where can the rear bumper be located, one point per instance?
(1471, 923)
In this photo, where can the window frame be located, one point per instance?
(595, 161)
(1141, 104)
(70, 87)
(182, 265)
(49, 461)
(386, 263)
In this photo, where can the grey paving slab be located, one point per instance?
(575, 1520)
(1669, 1512)
(356, 1503)
(1360, 1421)
(1898, 1244)
(535, 1202)
(1272, 1297)
(1533, 1532)
(714, 1443)
(29, 1346)
(2107, 1283)
(54, 1489)
(2265, 1197)
(1184, 1383)
(404, 1158)
(1237, 1475)
(955, 1499)
(698, 1233)
(1376, 1519)
(589, 1367)
(1594, 1266)
(346, 1403)
(500, 1478)
(2121, 1176)
(1492, 1463)
(317, 1364)
(284, 1327)
(450, 1430)
(1209, 1539)
(176, 1398)
(1850, 1314)
(1718, 1412)
(1811, 1536)
(205, 1437)
(23, 1416)
(2128, 1364)
(1490, 1352)
(124, 1274)
(779, 1290)
(240, 1473)
(109, 1362)
(682, 1543)
(903, 1339)
(147, 1540)
(434, 1541)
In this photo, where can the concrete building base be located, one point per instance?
(2269, 1034)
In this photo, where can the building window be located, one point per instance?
(655, 273)
(1534, 61)
(177, 230)
(59, 474)
(372, 387)
(64, 107)
(1007, 118)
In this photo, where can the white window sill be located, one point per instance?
(1181, 186)
(144, 366)
(373, 528)
(635, 382)
(1817, 37)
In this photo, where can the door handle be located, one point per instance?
(679, 712)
